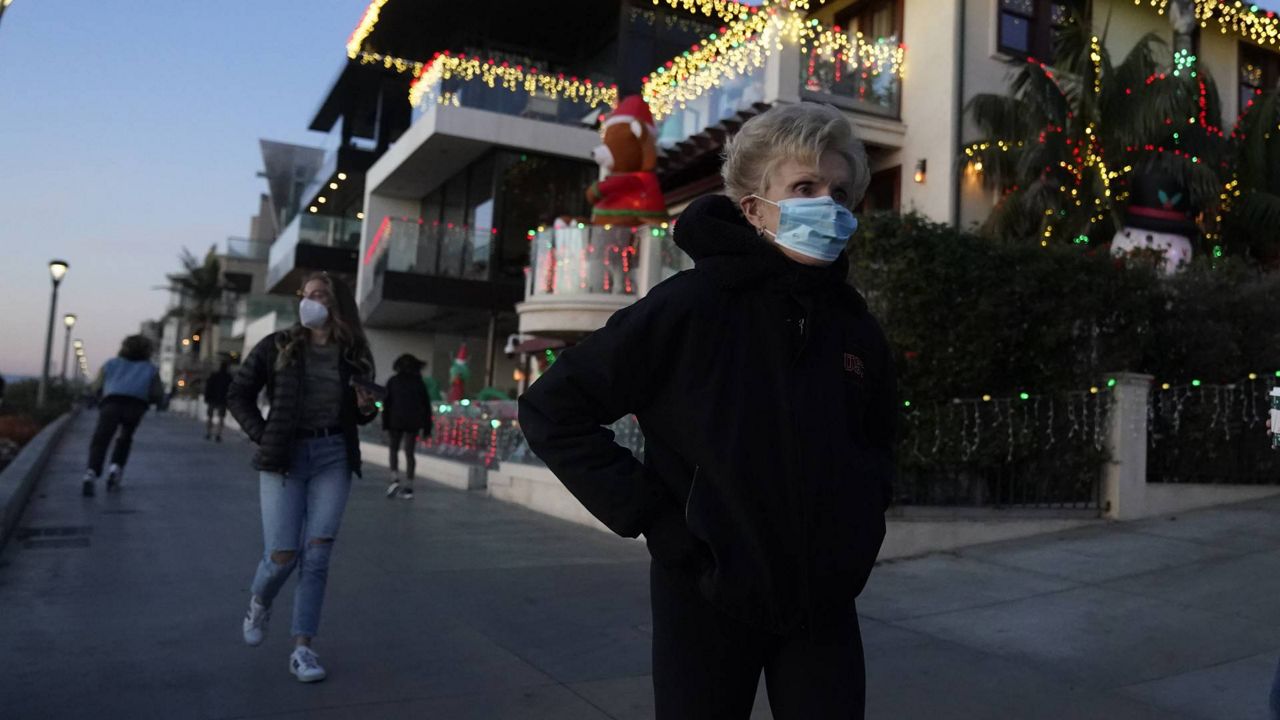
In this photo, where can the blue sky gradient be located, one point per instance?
(129, 130)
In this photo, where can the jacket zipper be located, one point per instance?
(689, 500)
(805, 557)
(302, 386)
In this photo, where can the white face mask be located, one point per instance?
(312, 314)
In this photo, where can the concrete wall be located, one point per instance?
(929, 95)
(1165, 498)
(459, 476)
(536, 488)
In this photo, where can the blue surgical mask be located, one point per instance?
(817, 228)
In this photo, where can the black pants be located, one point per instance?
(706, 666)
(115, 413)
(409, 441)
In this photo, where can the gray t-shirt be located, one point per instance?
(322, 397)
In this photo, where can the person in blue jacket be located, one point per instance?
(127, 384)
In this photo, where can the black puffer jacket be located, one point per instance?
(765, 391)
(275, 433)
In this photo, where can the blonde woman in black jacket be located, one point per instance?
(307, 451)
(765, 390)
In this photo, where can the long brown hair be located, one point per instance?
(344, 319)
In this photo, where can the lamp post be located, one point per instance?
(57, 269)
(70, 321)
(4, 4)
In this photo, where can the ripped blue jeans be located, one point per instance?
(301, 513)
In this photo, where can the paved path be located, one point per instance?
(456, 606)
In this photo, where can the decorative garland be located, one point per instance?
(513, 77)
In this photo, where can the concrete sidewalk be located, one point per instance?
(456, 606)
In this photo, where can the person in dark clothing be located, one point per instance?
(307, 450)
(127, 384)
(215, 398)
(766, 394)
(406, 416)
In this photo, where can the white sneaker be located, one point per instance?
(86, 488)
(392, 488)
(115, 476)
(255, 622)
(407, 493)
(305, 665)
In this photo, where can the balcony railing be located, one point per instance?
(597, 260)
(494, 87)
(857, 73)
(247, 249)
(310, 229)
(407, 245)
(866, 77)
(591, 260)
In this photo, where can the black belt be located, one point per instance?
(322, 432)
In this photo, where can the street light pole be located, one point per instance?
(4, 4)
(69, 321)
(57, 269)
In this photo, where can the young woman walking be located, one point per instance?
(307, 451)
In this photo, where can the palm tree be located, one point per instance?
(203, 291)
(1063, 145)
(1251, 199)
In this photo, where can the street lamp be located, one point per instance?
(70, 321)
(4, 4)
(57, 270)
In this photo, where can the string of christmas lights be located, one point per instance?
(1259, 25)
(363, 28)
(510, 76)
(400, 65)
(744, 46)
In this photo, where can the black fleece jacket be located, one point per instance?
(766, 394)
(275, 434)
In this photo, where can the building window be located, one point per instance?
(1259, 72)
(1027, 27)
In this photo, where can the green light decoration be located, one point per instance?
(1111, 382)
(1024, 396)
(1217, 251)
(908, 402)
(465, 403)
(495, 423)
(1195, 383)
(1278, 373)
(377, 404)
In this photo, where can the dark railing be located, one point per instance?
(1044, 452)
(1211, 434)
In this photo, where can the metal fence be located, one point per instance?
(1031, 452)
(1213, 434)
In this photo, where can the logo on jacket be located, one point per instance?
(853, 364)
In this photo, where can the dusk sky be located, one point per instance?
(128, 131)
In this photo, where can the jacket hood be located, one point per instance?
(713, 231)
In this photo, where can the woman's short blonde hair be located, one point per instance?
(799, 131)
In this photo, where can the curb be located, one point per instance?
(19, 478)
